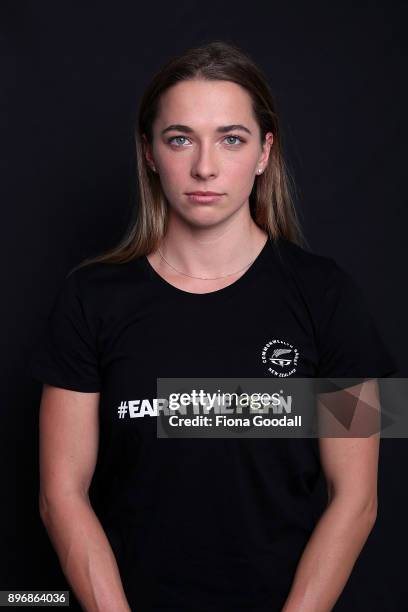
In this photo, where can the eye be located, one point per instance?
(229, 137)
(236, 137)
(170, 140)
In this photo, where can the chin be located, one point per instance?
(205, 218)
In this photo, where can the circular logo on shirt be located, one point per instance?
(281, 357)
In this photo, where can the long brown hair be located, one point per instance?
(271, 200)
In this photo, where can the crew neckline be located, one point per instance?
(218, 293)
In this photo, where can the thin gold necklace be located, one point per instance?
(203, 277)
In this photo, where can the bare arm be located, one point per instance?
(350, 466)
(69, 436)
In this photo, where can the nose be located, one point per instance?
(205, 164)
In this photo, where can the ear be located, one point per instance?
(266, 149)
(147, 150)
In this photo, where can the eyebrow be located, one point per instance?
(222, 129)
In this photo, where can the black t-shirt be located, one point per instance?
(205, 524)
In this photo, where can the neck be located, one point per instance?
(211, 253)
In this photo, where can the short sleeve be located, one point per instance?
(349, 343)
(66, 355)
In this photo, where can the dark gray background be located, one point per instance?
(72, 74)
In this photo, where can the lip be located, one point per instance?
(204, 193)
(204, 196)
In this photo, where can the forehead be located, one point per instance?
(200, 103)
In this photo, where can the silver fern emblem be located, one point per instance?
(277, 360)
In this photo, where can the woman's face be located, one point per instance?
(197, 148)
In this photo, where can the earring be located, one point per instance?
(259, 170)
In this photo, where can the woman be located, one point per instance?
(215, 285)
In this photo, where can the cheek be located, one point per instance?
(241, 165)
(241, 172)
(173, 174)
(240, 177)
(236, 174)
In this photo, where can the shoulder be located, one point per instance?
(96, 273)
(309, 269)
(327, 291)
(99, 284)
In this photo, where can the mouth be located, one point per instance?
(204, 196)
